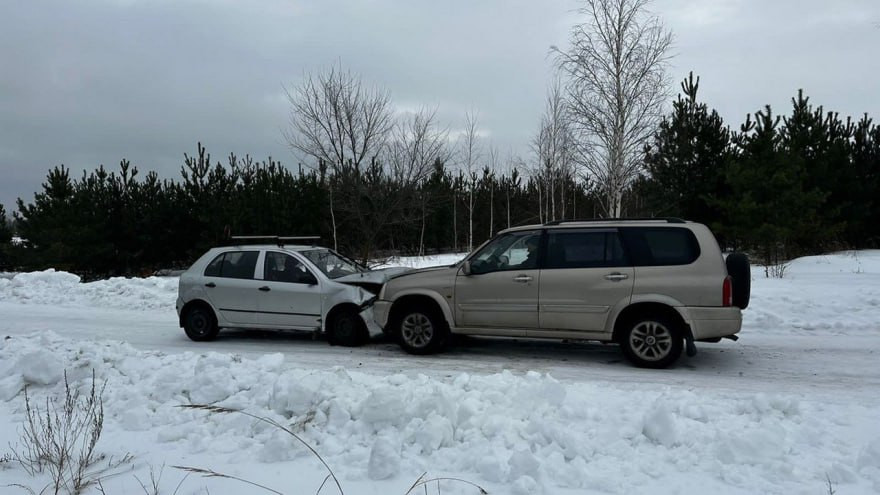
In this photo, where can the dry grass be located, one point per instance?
(60, 438)
(421, 482)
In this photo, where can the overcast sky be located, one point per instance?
(84, 83)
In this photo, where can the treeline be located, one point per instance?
(119, 223)
(778, 187)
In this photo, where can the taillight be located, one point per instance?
(727, 292)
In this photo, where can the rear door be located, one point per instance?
(290, 295)
(502, 289)
(231, 285)
(586, 274)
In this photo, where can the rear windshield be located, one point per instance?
(661, 246)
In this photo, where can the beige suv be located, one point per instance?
(652, 285)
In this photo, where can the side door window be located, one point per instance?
(669, 246)
(280, 267)
(233, 264)
(513, 251)
(579, 249)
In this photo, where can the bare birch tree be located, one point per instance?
(554, 149)
(470, 152)
(616, 86)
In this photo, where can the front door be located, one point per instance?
(585, 275)
(502, 289)
(290, 295)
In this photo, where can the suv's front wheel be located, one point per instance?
(651, 341)
(421, 330)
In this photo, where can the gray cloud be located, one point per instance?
(92, 82)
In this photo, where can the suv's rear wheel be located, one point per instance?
(651, 341)
(422, 330)
(200, 324)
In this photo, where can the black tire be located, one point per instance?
(346, 328)
(200, 324)
(421, 329)
(651, 341)
(741, 278)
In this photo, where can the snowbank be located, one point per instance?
(422, 261)
(514, 430)
(834, 294)
(66, 289)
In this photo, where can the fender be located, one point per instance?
(677, 305)
(437, 298)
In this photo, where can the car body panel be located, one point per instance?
(581, 299)
(506, 299)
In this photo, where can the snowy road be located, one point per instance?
(790, 407)
(808, 364)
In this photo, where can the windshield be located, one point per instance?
(333, 264)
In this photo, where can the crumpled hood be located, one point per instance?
(421, 270)
(373, 276)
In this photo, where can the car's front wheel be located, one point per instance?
(651, 341)
(422, 330)
(200, 324)
(346, 328)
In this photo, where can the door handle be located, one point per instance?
(211, 284)
(265, 288)
(522, 278)
(616, 277)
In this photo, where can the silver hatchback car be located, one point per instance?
(652, 285)
(278, 286)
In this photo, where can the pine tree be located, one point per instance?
(770, 206)
(685, 162)
(816, 146)
(5, 230)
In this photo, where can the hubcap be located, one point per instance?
(650, 341)
(199, 323)
(417, 330)
(344, 327)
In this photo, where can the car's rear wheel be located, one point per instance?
(651, 341)
(200, 324)
(422, 330)
(346, 328)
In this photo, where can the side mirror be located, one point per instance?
(466, 268)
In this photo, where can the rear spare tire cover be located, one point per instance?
(739, 271)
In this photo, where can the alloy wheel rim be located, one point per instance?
(417, 330)
(651, 341)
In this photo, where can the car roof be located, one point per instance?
(285, 247)
(613, 222)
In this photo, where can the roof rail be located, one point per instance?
(278, 239)
(633, 219)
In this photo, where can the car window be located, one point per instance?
(333, 264)
(513, 251)
(652, 246)
(580, 249)
(233, 264)
(280, 267)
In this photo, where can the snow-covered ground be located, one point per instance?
(790, 407)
